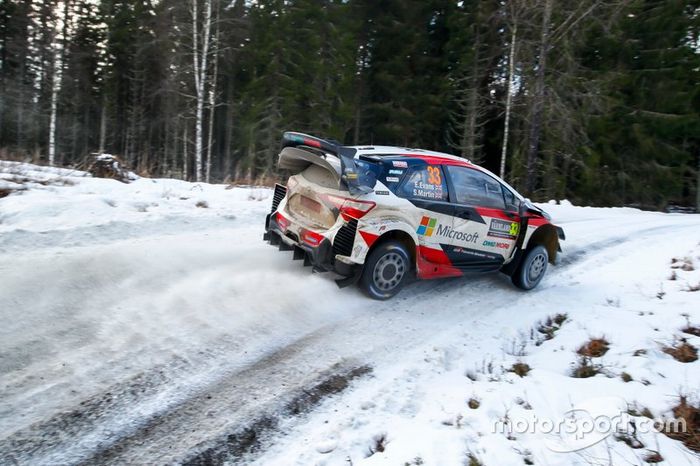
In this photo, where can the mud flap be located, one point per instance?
(510, 268)
(351, 279)
(299, 254)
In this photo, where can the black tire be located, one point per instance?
(532, 268)
(386, 270)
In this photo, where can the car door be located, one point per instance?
(425, 186)
(485, 226)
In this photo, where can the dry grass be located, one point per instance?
(692, 330)
(520, 368)
(594, 348)
(691, 417)
(548, 328)
(585, 368)
(682, 351)
(653, 457)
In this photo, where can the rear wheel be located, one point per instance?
(532, 268)
(385, 270)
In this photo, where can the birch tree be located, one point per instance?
(59, 46)
(509, 97)
(200, 62)
(212, 96)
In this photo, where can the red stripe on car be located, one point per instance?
(434, 263)
(369, 238)
(437, 160)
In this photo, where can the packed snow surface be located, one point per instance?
(149, 322)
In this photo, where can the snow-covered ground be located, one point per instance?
(148, 322)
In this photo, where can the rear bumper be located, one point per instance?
(321, 255)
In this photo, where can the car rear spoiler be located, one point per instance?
(354, 174)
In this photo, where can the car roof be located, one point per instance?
(405, 152)
(438, 157)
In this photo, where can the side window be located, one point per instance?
(427, 182)
(475, 188)
(511, 201)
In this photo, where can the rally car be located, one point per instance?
(378, 215)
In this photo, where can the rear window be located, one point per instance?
(424, 182)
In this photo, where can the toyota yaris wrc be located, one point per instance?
(378, 216)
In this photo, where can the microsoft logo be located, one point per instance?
(426, 227)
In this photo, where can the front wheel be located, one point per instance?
(532, 268)
(385, 270)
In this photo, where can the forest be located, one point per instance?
(595, 101)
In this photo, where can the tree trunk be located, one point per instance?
(200, 77)
(538, 103)
(470, 126)
(697, 189)
(212, 98)
(103, 125)
(184, 152)
(509, 100)
(57, 66)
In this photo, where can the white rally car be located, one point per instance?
(379, 215)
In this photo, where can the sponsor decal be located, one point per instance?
(396, 172)
(392, 179)
(504, 229)
(400, 164)
(494, 244)
(426, 227)
(381, 192)
(449, 232)
(429, 225)
(473, 254)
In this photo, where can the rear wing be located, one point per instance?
(354, 174)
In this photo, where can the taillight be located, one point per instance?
(350, 208)
(281, 221)
(311, 238)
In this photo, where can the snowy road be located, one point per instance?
(175, 335)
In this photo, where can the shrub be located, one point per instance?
(585, 368)
(682, 351)
(520, 368)
(595, 348)
(690, 415)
